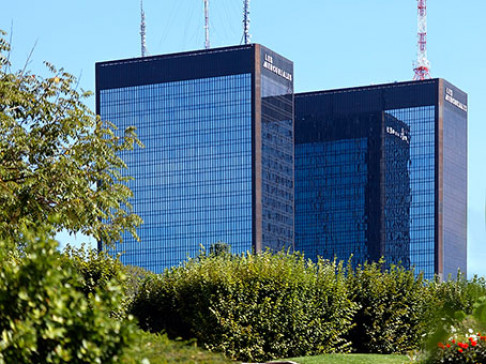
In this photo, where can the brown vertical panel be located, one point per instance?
(257, 153)
(439, 179)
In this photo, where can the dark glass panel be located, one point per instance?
(277, 163)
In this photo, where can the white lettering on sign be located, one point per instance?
(455, 102)
(268, 64)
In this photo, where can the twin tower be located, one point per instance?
(232, 154)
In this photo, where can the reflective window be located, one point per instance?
(395, 189)
(421, 121)
(193, 181)
(331, 179)
(365, 182)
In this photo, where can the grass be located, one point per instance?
(158, 349)
(352, 359)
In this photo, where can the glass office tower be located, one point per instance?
(381, 171)
(217, 166)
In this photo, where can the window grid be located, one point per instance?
(195, 167)
(421, 121)
(330, 199)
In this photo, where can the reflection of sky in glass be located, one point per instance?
(421, 121)
(193, 178)
(396, 193)
(331, 180)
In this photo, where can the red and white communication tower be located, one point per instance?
(422, 66)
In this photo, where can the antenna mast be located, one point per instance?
(142, 30)
(207, 45)
(246, 21)
(422, 65)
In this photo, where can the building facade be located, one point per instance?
(218, 161)
(381, 171)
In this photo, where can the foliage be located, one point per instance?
(267, 306)
(158, 349)
(251, 307)
(457, 295)
(99, 270)
(451, 304)
(461, 306)
(219, 248)
(466, 348)
(393, 313)
(58, 158)
(43, 318)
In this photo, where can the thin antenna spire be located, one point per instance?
(246, 21)
(422, 65)
(142, 31)
(207, 45)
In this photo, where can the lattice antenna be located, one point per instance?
(142, 31)
(422, 65)
(246, 21)
(207, 45)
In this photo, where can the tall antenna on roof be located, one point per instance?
(246, 21)
(422, 65)
(207, 45)
(142, 30)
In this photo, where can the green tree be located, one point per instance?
(58, 158)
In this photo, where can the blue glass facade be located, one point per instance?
(422, 197)
(405, 199)
(380, 171)
(195, 167)
(330, 198)
(205, 175)
(396, 192)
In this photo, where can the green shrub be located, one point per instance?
(251, 307)
(456, 306)
(393, 314)
(456, 295)
(256, 307)
(96, 268)
(99, 269)
(43, 318)
(464, 342)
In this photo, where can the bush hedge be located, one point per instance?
(251, 307)
(258, 307)
(393, 315)
(459, 294)
(98, 270)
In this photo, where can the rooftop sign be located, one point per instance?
(268, 64)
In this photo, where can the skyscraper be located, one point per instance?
(217, 166)
(381, 171)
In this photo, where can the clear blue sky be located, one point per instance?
(333, 44)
